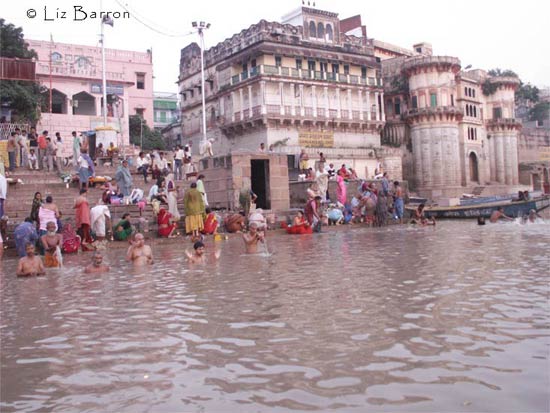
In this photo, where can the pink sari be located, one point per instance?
(341, 190)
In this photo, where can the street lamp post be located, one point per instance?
(201, 26)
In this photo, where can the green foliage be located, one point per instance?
(488, 88)
(540, 112)
(497, 72)
(527, 92)
(400, 85)
(151, 139)
(23, 97)
(13, 43)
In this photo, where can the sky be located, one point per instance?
(483, 33)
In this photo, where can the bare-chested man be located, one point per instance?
(499, 214)
(251, 239)
(30, 264)
(199, 257)
(52, 242)
(138, 252)
(97, 265)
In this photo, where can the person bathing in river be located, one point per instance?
(198, 256)
(420, 218)
(499, 214)
(31, 264)
(252, 238)
(52, 242)
(139, 253)
(97, 266)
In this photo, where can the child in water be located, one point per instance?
(252, 238)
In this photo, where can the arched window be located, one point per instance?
(475, 112)
(56, 57)
(473, 92)
(465, 91)
(329, 32)
(321, 30)
(467, 110)
(312, 29)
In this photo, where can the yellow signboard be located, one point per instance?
(315, 139)
(544, 154)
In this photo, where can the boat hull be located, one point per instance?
(512, 209)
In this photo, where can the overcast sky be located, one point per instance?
(484, 33)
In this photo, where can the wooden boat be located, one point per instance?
(511, 208)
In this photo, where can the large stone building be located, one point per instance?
(302, 83)
(317, 82)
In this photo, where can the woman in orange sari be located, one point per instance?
(165, 227)
(299, 225)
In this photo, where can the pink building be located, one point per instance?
(77, 94)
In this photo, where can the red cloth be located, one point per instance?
(71, 241)
(42, 143)
(299, 229)
(210, 224)
(163, 221)
(82, 213)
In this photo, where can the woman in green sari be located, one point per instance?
(123, 230)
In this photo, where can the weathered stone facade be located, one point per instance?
(458, 126)
(298, 84)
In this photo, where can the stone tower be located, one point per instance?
(433, 119)
(502, 129)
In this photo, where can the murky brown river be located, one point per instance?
(400, 319)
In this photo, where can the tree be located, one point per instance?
(23, 97)
(527, 92)
(497, 72)
(540, 113)
(151, 139)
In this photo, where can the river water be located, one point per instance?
(399, 319)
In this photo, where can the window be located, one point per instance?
(346, 69)
(329, 32)
(497, 113)
(452, 100)
(199, 89)
(419, 50)
(163, 116)
(311, 64)
(312, 29)
(473, 92)
(467, 110)
(415, 102)
(475, 112)
(298, 63)
(140, 80)
(363, 72)
(278, 61)
(465, 91)
(56, 57)
(433, 100)
(321, 31)
(335, 68)
(253, 63)
(324, 66)
(397, 106)
(184, 96)
(245, 68)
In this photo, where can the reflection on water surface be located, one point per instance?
(404, 319)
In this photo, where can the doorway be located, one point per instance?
(474, 173)
(260, 182)
(537, 182)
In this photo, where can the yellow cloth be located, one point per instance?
(193, 223)
(51, 261)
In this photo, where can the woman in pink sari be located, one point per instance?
(341, 189)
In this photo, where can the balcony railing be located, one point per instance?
(305, 74)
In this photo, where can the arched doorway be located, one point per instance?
(474, 171)
(84, 104)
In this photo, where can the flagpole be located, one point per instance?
(51, 60)
(104, 79)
